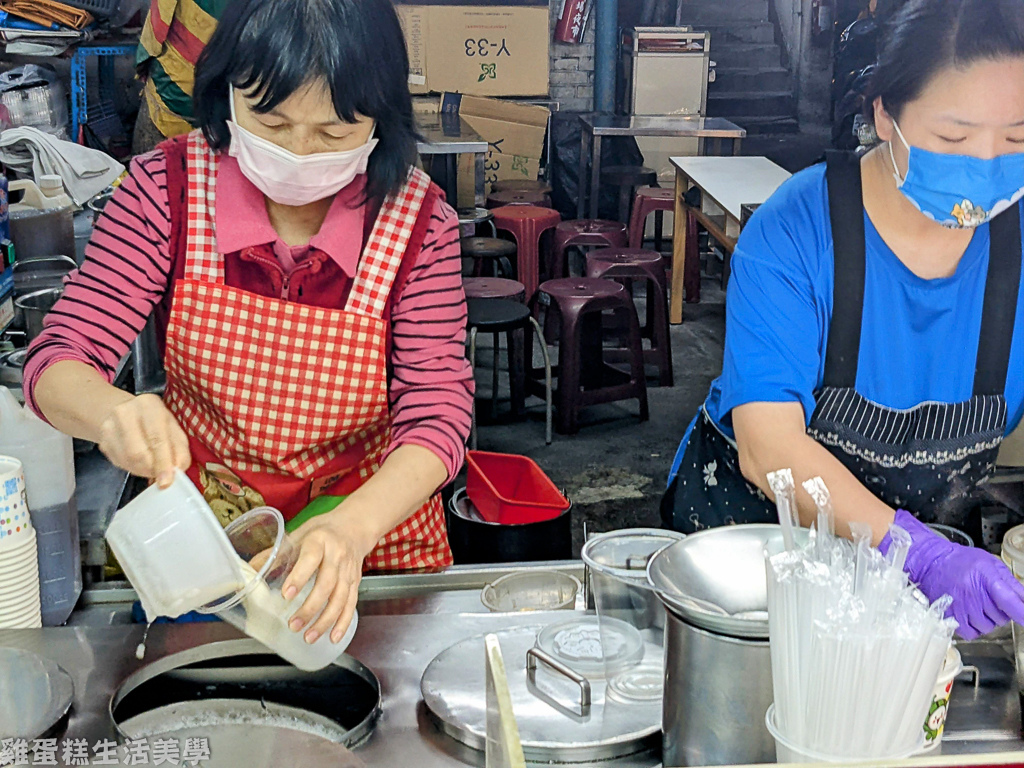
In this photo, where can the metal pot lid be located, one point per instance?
(35, 693)
(551, 726)
(716, 579)
(626, 554)
(234, 745)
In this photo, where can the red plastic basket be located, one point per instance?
(511, 490)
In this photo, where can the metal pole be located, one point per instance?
(605, 55)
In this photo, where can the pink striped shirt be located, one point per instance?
(129, 268)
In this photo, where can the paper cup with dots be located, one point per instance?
(15, 523)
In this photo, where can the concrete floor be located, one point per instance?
(616, 468)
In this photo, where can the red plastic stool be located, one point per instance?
(493, 288)
(584, 378)
(521, 185)
(518, 197)
(650, 200)
(633, 264)
(527, 224)
(584, 232)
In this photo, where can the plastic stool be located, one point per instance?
(584, 378)
(650, 200)
(521, 185)
(493, 250)
(632, 264)
(518, 197)
(627, 178)
(584, 232)
(527, 225)
(472, 218)
(493, 288)
(499, 316)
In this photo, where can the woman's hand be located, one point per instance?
(333, 551)
(985, 593)
(141, 436)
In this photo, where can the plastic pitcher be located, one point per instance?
(173, 550)
(49, 462)
(259, 608)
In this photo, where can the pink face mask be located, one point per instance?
(290, 179)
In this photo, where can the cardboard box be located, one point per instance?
(477, 50)
(514, 134)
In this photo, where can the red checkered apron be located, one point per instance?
(292, 399)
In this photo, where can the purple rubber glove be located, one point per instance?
(985, 593)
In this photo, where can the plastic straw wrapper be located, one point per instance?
(784, 490)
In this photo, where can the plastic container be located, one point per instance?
(788, 752)
(259, 608)
(173, 550)
(617, 563)
(531, 591)
(474, 540)
(1013, 556)
(511, 489)
(41, 225)
(48, 458)
(935, 724)
(101, 9)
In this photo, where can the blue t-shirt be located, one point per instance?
(919, 338)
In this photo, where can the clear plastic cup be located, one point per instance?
(788, 752)
(173, 550)
(266, 556)
(617, 565)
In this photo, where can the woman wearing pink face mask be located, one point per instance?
(305, 282)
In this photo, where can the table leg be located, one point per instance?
(452, 182)
(582, 184)
(678, 251)
(737, 145)
(595, 178)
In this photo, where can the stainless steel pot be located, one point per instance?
(717, 689)
(35, 306)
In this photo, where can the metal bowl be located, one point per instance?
(715, 579)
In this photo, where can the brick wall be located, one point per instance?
(572, 68)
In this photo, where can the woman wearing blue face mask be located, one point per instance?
(875, 323)
(304, 279)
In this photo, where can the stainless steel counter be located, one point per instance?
(405, 622)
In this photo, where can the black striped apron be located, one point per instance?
(928, 459)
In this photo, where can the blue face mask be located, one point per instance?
(959, 191)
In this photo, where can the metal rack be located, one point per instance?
(79, 79)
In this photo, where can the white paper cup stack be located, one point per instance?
(19, 559)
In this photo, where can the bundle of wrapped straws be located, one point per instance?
(855, 648)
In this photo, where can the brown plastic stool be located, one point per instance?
(521, 185)
(627, 178)
(518, 197)
(633, 264)
(493, 288)
(584, 378)
(584, 232)
(527, 225)
(492, 251)
(497, 316)
(650, 200)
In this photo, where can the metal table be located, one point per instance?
(406, 620)
(596, 127)
(445, 137)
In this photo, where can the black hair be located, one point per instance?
(276, 47)
(926, 36)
